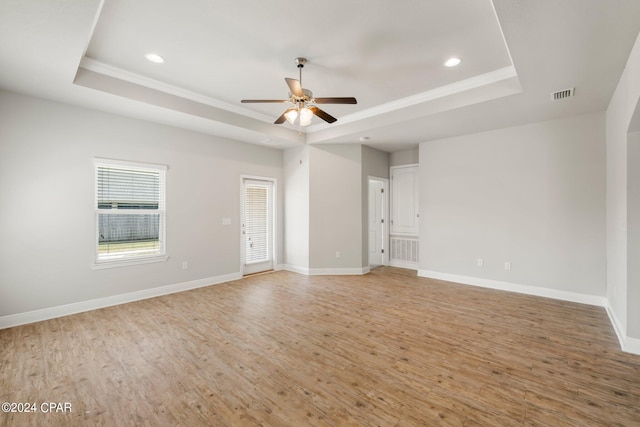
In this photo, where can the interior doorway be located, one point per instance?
(378, 223)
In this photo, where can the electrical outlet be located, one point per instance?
(507, 265)
(337, 254)
(185, 265)
(480, 262)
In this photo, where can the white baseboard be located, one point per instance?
(327, 271)
(338, 271)
(94, 304)
(296, 269)
(629, 345)
(617, 325)
(403, 264)
(521, 289)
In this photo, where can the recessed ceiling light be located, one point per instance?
(154, 57)
(452, 62)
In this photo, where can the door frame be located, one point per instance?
(274, 218)
(386, 212)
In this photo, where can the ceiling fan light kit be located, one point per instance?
(304, 102)
(291, 115)
(305, 116)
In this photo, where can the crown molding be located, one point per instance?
(492, 77)
(99, 67)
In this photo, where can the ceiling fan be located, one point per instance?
(304, 104)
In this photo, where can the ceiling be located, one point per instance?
(389, 55)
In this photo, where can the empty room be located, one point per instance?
(337, 213)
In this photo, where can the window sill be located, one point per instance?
(100, 265)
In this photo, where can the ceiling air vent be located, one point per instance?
(561, 94)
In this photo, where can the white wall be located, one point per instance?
(47, 224)
(533, 195)
(335, 207)
(404, 157)
(326, 207)
(622, 293)
(374, 163)
(633, 236)
(296, 214)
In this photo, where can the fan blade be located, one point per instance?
(295, 87)
(253, 101)
(339, 100)
(323, 115)
(280, 120)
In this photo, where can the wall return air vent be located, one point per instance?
(562, 94)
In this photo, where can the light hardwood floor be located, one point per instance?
(282, 349)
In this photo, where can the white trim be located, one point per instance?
(120, 74)
(100, 265)
(274, 220)
(631, 345)
(413, 231)
(627, 344)
(123, 261)
(325, 271)
(295, 269)
(94, 304)
(94, 24)
(338, 271)
(617, 326)
(599, 301)
(129, 164)
(386, 200)
(403, 264)
(408, 165)
(504, 39)
(485, 79)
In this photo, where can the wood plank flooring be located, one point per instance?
(282, 349)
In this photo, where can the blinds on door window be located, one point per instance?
(130, 210)
(257, 219)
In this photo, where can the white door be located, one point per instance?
(377, 235)
(257, 226)
(404, 200)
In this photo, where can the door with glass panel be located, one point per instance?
(257, 225)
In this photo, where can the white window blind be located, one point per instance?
(130, 211)
(257, 220)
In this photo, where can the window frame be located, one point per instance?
(162, 211)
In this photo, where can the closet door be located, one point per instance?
(404, 200)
